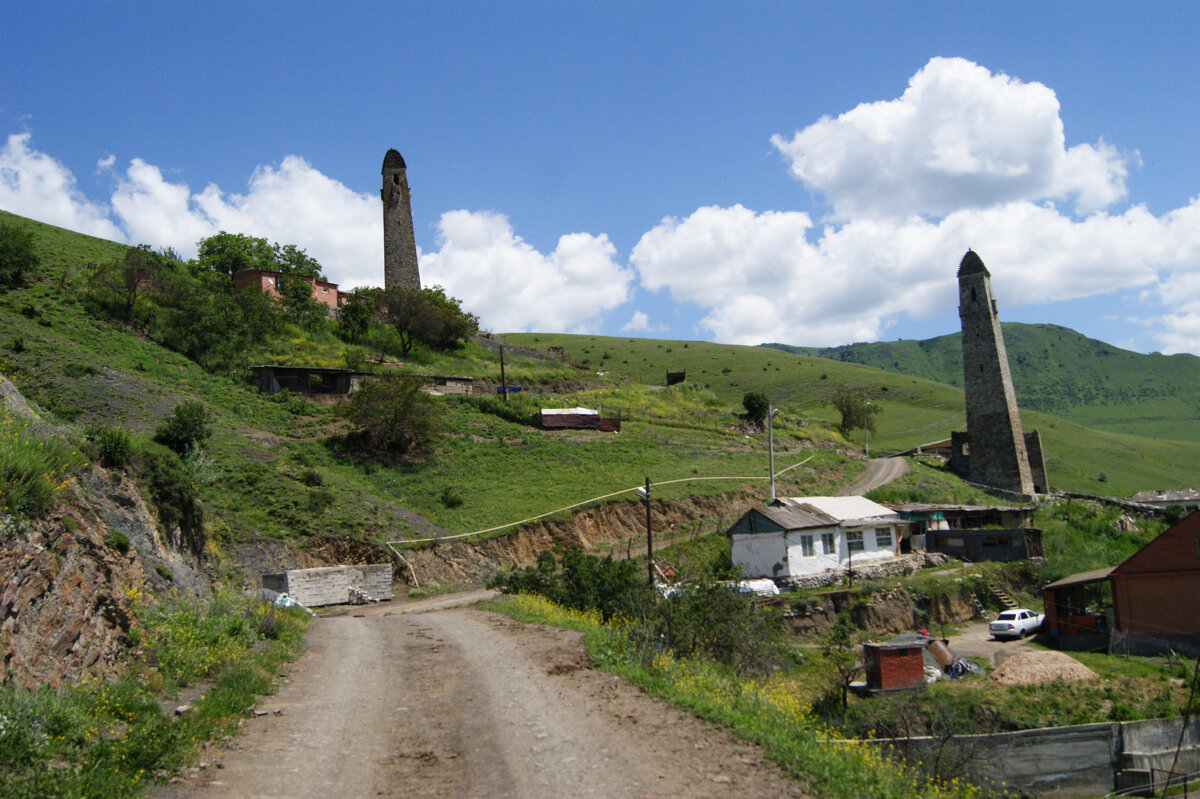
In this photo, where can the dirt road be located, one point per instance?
(880, 471)
(461, 703)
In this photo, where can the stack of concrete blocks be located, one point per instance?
(333, 585)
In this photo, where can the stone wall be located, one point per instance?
(332, 585)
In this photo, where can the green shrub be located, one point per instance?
(115, 445)
(116, 539)
(165, 478)
(186, 427)
(520, 408)
(164, 572)
(450, 497)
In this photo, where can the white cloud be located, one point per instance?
(513, 287)
(761, 280)
(291, 203)
(959, 137)
(33, 184)
(640, 323)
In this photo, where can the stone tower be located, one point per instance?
(997, 454)
(399, 243)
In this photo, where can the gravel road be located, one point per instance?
(460, 703)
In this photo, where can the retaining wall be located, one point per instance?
(1079, 761)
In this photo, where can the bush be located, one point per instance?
(165, 478)
(17, 258)
(117, 540)
(613, 588)
(186, 427)
(720, 623)
(115, 445)
(520, 408)
(390, 416)
(756, 405)
(450, 497)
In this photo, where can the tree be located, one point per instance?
(856, 411)
(427, 315)
(756, 405)
(186, 428)
(354, 317)
(842, 660)
(296, 299)
(391, 416)
(119, 286)
(226, 253)
(17, 257)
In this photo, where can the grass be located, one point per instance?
(113, 738)
(32, 467)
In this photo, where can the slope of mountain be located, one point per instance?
(1058, 371)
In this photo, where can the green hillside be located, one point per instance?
(268, 472)
(1059, 371)
(916, 410)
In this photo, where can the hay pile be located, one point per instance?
(1036, 667)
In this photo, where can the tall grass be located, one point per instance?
(32, 467)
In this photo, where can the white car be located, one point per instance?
(1016, 623)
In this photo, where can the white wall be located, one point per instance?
(759, 554)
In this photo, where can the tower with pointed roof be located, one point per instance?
(994, 450)
(399, 243)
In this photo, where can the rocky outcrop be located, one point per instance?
(69, 579)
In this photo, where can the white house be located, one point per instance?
(799, 536)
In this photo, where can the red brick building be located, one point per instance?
(323, 292)
(1156, 593)
(893, 665)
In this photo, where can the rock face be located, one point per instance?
(65, 602)
(892, 611)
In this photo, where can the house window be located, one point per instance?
(883, 537)
(828, 543)
(806, 545)
(854, 540)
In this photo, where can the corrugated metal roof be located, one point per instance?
(1094, 576)
(569, 411)
(842, 509)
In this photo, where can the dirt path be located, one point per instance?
(461, 703)
(977, 644)
(880, 471)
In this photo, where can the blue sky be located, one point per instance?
(809, 173)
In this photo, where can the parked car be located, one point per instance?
(1016, 623)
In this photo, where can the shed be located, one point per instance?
(1156, 592)
(1075, 617)
(988, 544)
(894, 665)
(578, 419)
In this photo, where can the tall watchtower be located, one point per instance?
(997, 454)
(399, 243)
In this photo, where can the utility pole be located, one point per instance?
(503, 380)
(645, 492)
(771, 449)
(866, 424)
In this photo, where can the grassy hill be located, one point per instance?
(916, 409)
(1058, 371)
(269, 474)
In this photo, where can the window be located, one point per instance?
(883, 537)
(829, 543)
(806, 545)
(854, 540)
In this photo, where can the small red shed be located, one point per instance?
(894, 665)
(1156, 592)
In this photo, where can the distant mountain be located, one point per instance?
(1058, 371)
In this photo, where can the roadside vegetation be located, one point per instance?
(196, 669)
